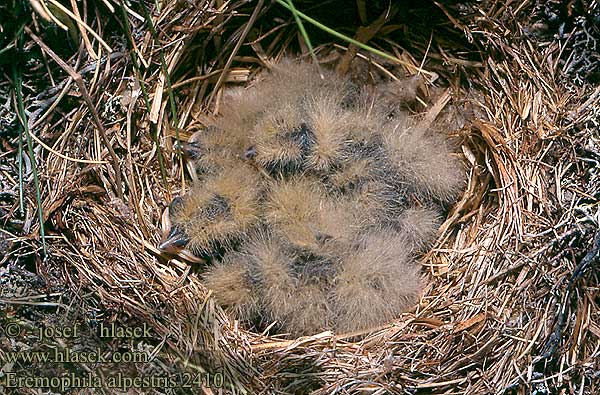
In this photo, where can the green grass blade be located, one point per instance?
(23, 118)
(302, 30)
(341, 36)
(21, 194)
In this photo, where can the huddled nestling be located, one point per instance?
(312, 199)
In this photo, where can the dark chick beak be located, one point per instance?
(194, 148)
(175, 241)
(192, 151)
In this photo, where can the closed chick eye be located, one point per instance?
(216, 207)
(175, 204)
(250, 152)
(221, 210)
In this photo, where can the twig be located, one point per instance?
(90, 104)
(553, 340)
(364, 34)
(237, 46)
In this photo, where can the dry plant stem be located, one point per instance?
(588, 260)
(90, 104)
(42, 9)
(330, 337)
(65, 157)
(167, 78)
(136, 66)
(82, 24)
(364, 35)
(236, 48)
(82, 30)
(434, 111)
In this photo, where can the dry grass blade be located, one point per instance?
(88, 100)
(136, 65)
(236, 48)
(363, 35)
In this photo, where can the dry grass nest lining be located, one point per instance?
(500, 312)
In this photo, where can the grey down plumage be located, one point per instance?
(312, 199)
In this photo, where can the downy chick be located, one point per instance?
(281, 141)
(266, 281)
(300, 212)
(331, 126)
(232, 284)
(217, 212)
(303, 126)
(210, 151)
(377, 282)
(425, 163)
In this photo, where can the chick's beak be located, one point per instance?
(174, 241)
(192, 151)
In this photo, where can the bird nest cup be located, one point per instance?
(300, 196)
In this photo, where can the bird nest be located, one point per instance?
(511, 301)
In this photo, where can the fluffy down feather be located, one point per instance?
(313, 197)
(220, 210)
(377, 282)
